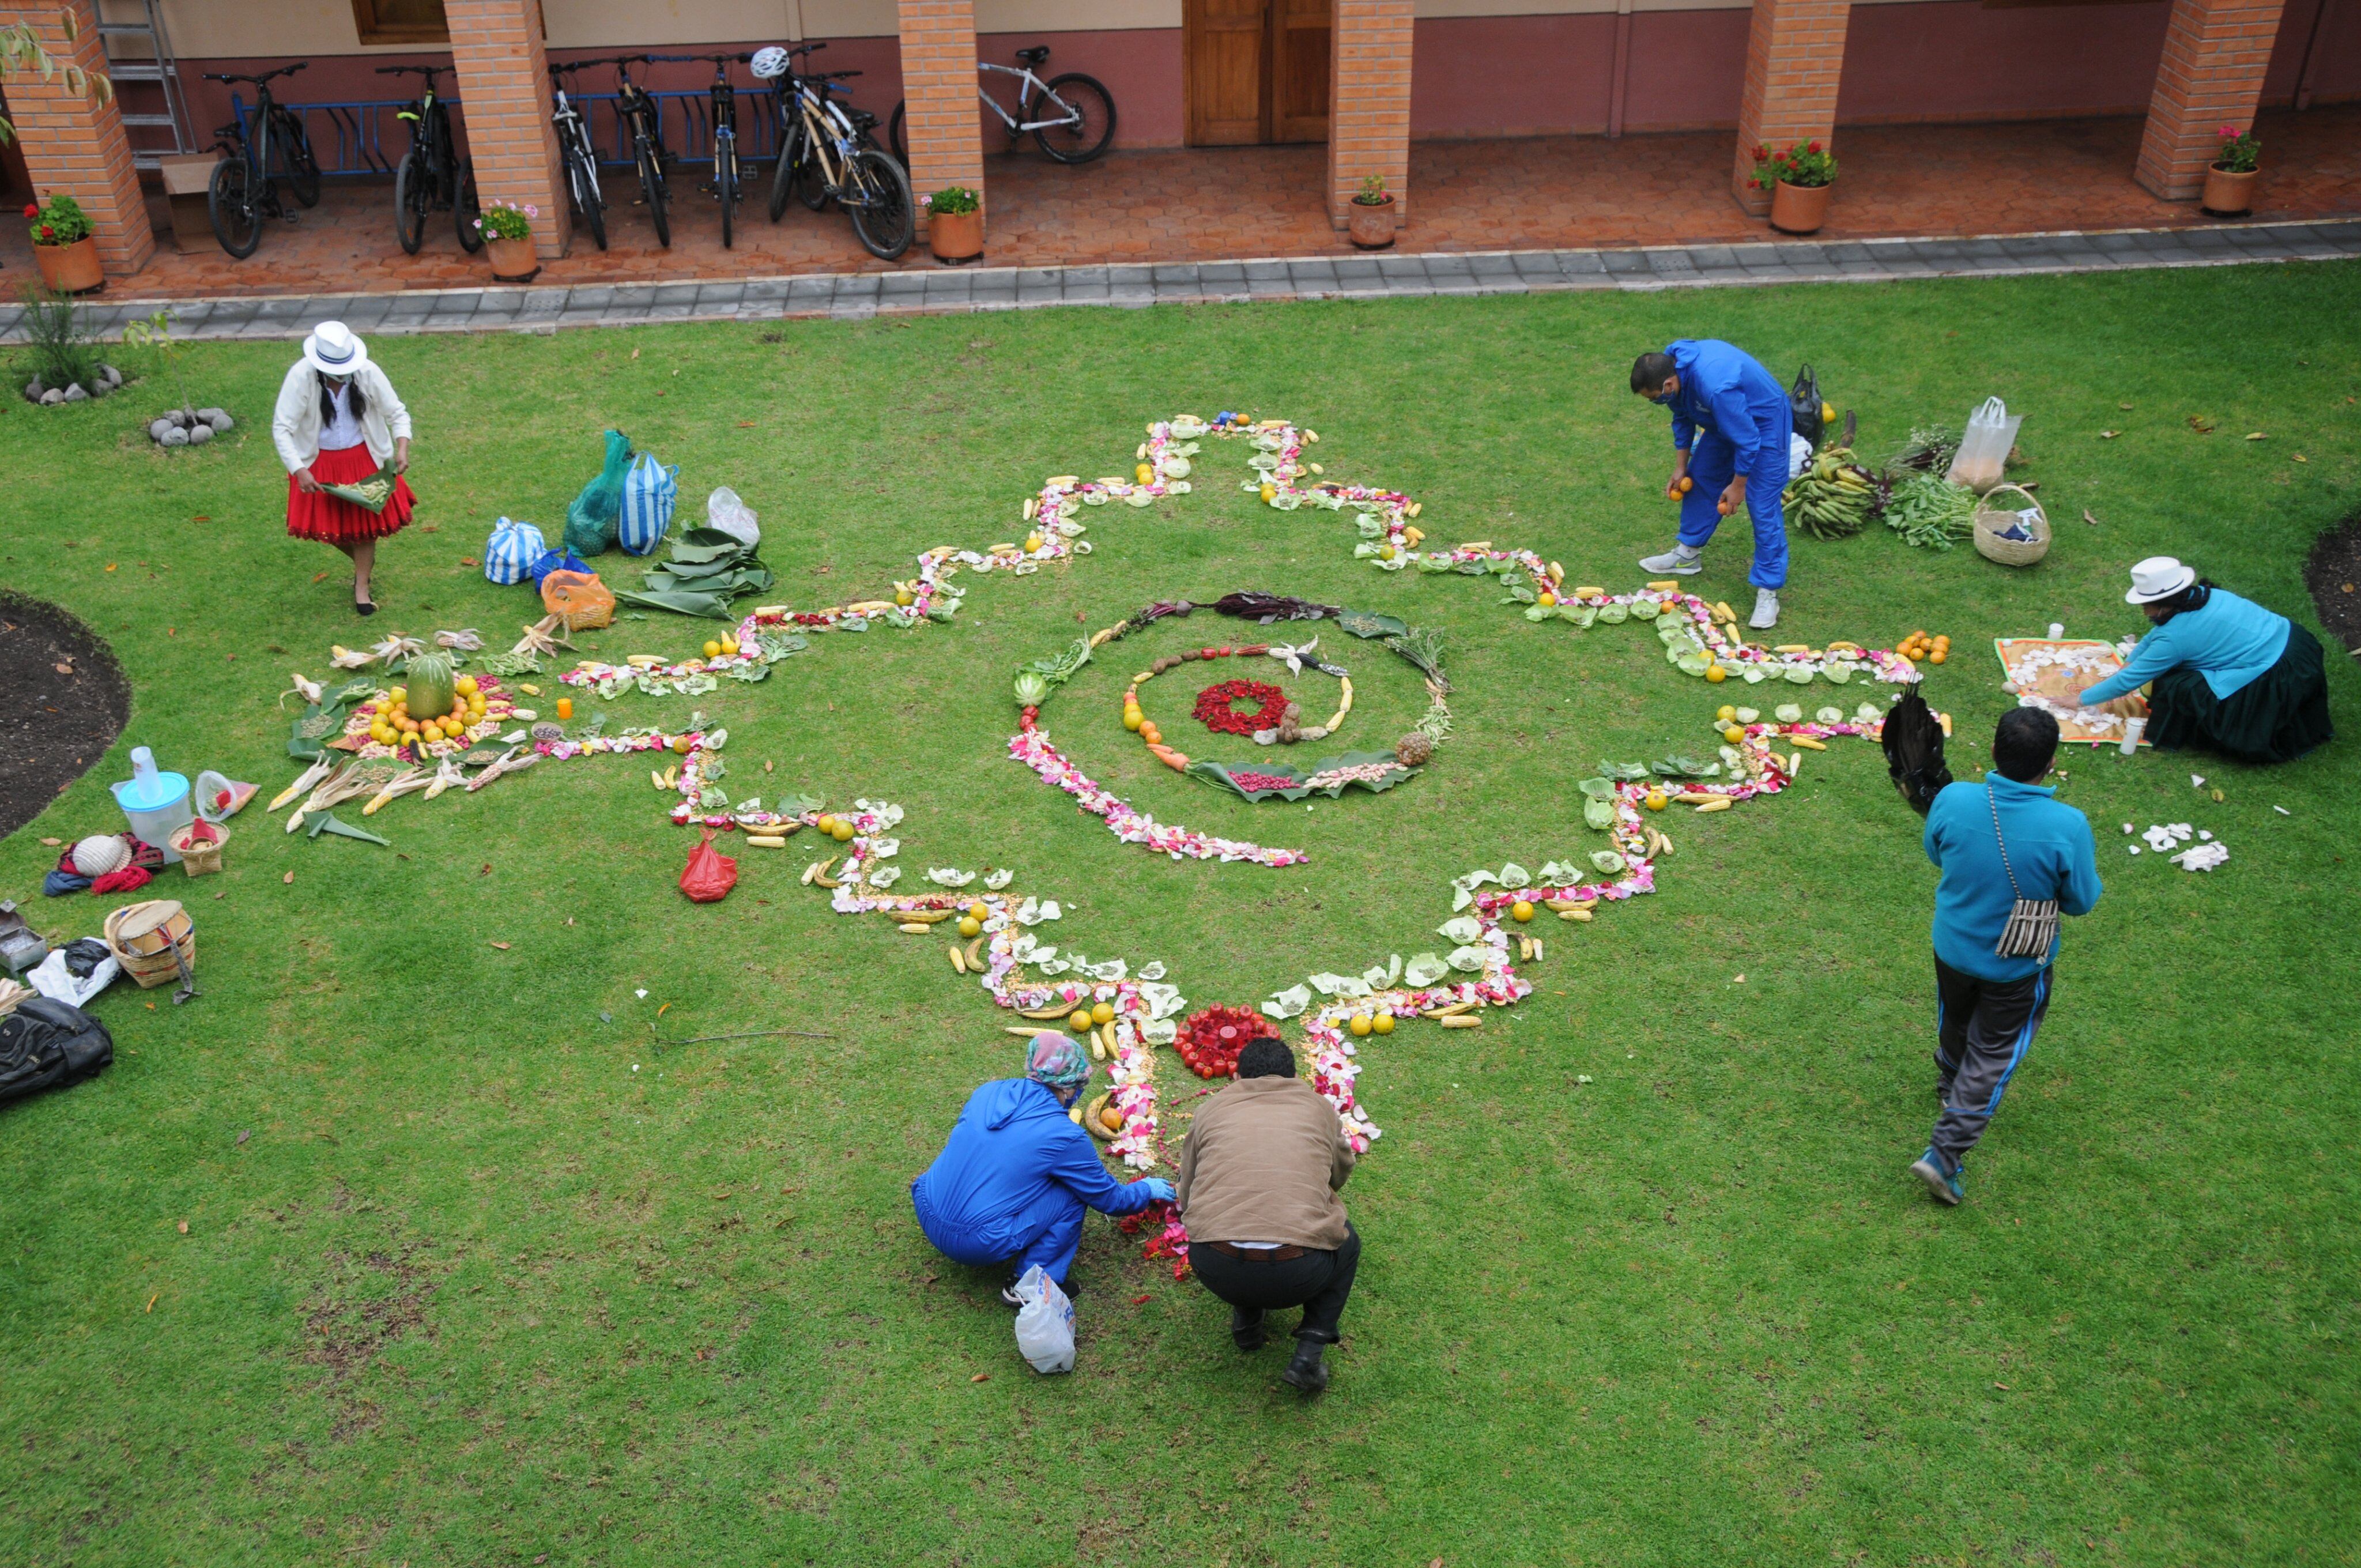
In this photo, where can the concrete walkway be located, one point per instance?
(860, 295)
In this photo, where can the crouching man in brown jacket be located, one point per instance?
(1258, 1191)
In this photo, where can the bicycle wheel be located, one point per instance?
(466, 212)
(652, 191)
(877, 196)
(725, 187)
(229, 205)
(1092, 126)
(582, 184)
(294, 150)
(897, 134)
(412, 189)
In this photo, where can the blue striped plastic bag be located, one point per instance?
(512, 551)
(649, 491)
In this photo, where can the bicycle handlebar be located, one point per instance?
(716, 58)
(429, 72)
(259, 81)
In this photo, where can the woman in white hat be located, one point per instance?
(339, 422)
(2229, 675)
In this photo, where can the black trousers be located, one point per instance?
(1983, 1030)
(1319, 1282)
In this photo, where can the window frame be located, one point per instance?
(372, 32)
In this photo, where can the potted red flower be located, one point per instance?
(63, 245)
(2230, 179)
(508, 240)
(954, 223)
(1370, 221)
(1799, 181)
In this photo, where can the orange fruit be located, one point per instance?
(1383, 1024)
(1937, 657)
(843, 833)
(1103, 1013)
(979, 911)
(1716, 673)
(1547, 598)
(1521, 911)
(1361, 1025)
(1688, 484)
(1656, 800)
(1079, 1020)
(969, 926)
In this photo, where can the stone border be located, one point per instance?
(860, 295)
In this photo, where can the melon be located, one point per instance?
(431, 682)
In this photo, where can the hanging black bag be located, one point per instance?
(1804, 401)
(46, 1043)
(1912, 739)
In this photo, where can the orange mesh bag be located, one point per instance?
(586, 603)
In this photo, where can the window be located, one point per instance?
(402, 21)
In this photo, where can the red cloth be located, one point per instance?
(123, 881)
(332, 520)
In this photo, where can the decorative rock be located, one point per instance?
(156, 428)
(74, 394)
(175, 436)
(100, 387)
(53, 396)
(218, 418)
(199, 434)
(111, 376)
(33, 390)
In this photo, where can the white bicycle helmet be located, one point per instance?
(770, 62)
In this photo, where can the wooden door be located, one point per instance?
(1299, 72)
(1228, 60)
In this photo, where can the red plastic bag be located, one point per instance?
(710, 875)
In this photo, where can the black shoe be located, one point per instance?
(1245, 1329)
(364, 607)
(1307, 1370)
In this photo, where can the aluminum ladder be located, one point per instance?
(154, 63)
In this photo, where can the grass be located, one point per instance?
(473, 1291)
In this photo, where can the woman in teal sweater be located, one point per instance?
(2229, 675)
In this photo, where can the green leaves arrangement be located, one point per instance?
(707, 569)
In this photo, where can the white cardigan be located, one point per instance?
(295, 426)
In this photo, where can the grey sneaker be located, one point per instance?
(1766, 610)
(1941, 1185)
(1680, 560)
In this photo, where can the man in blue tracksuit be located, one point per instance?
(1731, 423)
(1997, 841)
(1017, 1173)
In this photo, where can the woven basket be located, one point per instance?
(199, 858)
(1991, 517)
(160, 926)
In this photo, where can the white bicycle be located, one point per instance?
(1071, 117)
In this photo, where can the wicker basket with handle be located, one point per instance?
(145, 938)
(199, 845)
(2003, 507)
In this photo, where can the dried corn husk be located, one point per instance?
(448, 773)
(411, 780)
(468, 640)
(515, 760)
(309, 778)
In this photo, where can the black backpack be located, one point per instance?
(1913, 738)
(46, 1043)
(1804, 403)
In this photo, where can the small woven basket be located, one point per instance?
(1991, 517)
(145, 936)
(199, 856)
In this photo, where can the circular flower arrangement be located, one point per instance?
(1210, 1041)
(1216, 707)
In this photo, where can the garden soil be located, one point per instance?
(2332, 573)
(62, 702)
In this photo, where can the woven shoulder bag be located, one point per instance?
(2032, 926)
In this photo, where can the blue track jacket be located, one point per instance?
(1014, 1166)
(1726, 390)
(2049, 844)
(2229, 641)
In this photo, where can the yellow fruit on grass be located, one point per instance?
(1383, 1024)
(842, 832)
(1547, 598)
(1521, 911)
(1726, 713)
(1102, 1014)
(1656, 800)
(465, 685)
(730, 645)
(1133, 719)
(1937, 657)
(1078, 1019)
(1032, 543)
(1733, 734)
(969, 926)
(979, 911)
(906, 599)
(399, 696)
(1387, 552)
(827, 823)
(1361, 1024)
(1716, 673)
(713, 648)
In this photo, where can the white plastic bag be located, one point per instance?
(1045, 1323)
(733, 517)
(53, 979)
(1985, 448)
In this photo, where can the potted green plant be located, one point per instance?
(2230, 179)
(1369, 223)
(63, 245)
(954, 223)
(1799, 181)
(507, 227)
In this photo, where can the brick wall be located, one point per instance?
(504, 97)
(1368, 103)
(2216, 54)
(75, 146)
(1795, 60)
(938, 87)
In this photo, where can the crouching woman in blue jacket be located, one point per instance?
(1017, 1172)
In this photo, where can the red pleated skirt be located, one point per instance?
(332, 520)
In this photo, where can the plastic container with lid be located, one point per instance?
(154, 803)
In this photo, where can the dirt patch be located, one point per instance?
(366, 1304)
(2332, 573)
(62, 702)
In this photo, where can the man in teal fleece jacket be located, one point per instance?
(1996, 841)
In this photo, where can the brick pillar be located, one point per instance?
(939, 85)
(75, 146)
(1368, 103)
(1794, 58)
(504, 101)
(2215, 52)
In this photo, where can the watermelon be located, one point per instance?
(430, 678)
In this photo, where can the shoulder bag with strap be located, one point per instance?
(2032, 926)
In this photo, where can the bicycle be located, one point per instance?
(726, 181)
(634, 108)
(826, 150)
(1069, 118)
(432, 176)
(573, 127)
(244, 188)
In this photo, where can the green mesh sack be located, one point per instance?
(590, 520)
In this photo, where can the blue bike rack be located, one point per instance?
(358, 130)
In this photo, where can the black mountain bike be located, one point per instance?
(728, 184)
(1069, 118)
(432, 177)
(573, 127)
(245, 186)
(637, 110)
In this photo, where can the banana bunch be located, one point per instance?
(1834, 497)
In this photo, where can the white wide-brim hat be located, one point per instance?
(2158, 577)
(334, 350)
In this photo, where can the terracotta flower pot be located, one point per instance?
(956, 236)
(1370, 225)
(71, 268)
(1799, 209)
(2227, 195)
(512, 260)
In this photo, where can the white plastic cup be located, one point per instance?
(2133, 729)
(2057, 630)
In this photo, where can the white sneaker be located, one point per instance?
(1680, 560)
(1766, 610)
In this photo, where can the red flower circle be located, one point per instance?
(1214, 710)
(1210, 1041)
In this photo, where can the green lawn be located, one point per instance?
(474, 1291)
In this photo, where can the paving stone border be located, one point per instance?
(859, 295)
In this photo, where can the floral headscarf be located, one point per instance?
(1057, 1060)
